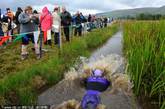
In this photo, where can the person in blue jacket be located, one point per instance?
(78, 21)
(83, 18)
(94, 84)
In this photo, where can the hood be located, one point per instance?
(45, 11)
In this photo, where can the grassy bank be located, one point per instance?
(144, 47)
(22, 85)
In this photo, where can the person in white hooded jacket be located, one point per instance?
(56, 24)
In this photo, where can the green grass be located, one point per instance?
(144, 48)
(23, 84)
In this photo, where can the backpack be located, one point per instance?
(97, 83)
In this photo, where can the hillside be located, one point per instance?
(133, 12)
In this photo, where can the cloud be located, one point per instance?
(84, 5)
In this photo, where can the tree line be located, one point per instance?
(144, 16)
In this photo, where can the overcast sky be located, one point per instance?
(85, 6)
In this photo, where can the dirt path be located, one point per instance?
(66, 89)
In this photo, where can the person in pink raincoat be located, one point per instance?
(46, 21)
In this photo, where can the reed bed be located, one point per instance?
(144, 48)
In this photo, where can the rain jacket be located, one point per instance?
(46, 20)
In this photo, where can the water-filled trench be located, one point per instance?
(109, 56)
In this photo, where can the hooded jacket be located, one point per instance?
(46, 20)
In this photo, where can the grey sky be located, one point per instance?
(85, 6)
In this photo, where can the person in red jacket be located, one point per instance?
(46, 21)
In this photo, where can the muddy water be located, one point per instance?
(113, 46)
(71, 89)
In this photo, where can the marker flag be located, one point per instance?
(19, 37)
(4, 39)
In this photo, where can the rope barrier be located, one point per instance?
(61, 27)
(33, 31)
(19, 36)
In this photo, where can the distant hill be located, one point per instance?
(133, 12)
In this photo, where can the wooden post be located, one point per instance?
(41, 33)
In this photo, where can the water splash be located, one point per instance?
(113, 64)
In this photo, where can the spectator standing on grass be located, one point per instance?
(36, 21)
(18, 12)
(66, 22)
(93, 21)
(27, 25)
(101, 22)
(105, 22)
(46, 21)
(1, 31)
(10, 16)
(84, 20)
(78, 21)
(89, 18)
(56, 24)
(89, 22)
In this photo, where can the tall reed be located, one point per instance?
(144, 48)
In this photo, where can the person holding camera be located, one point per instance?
(27, 27)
